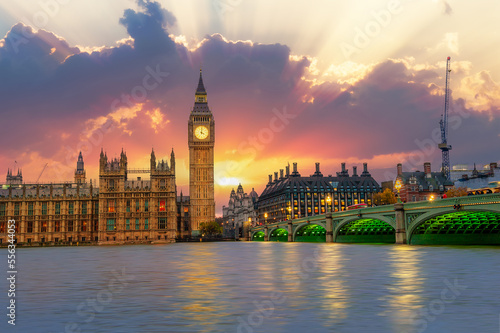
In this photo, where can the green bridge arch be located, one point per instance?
(468, 227)
(310, 233)
(258, 236)
(279, 235)
(367, 230)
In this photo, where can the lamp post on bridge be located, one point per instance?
(328, 204)
(398, 186)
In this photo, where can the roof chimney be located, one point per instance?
(287, 170)
(275, 176)
(400, 169)
(270, 179)
(354, 171)
(365, 171)
(343, 167)
(281, 173)
(427, 169)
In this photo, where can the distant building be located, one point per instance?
(387, 185)
(14, 180)
(62, 213)
(419, 186)
(240, 209)
(291, 195)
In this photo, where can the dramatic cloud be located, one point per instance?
(271, 106)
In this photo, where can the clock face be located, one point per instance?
(201, 132)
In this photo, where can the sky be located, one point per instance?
(287, 81)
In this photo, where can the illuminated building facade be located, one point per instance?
(240, 209)
(290, 195)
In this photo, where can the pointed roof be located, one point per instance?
(201, 88)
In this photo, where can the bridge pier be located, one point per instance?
(266, 234)
(290, 231)
(246, 231)
(329, 227)
(400, 223)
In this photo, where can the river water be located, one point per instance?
(256, 287)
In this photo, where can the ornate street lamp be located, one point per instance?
(328, 204)
(265, 218)
(398, 186)
(289, 212)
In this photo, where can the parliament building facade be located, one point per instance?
(122, 209)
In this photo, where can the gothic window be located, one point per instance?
(16, 208)
(127, 224)
(110, 225)
(71, 208)
(111, 206)
(44, 208)
(136, 224)
(162, 206)
(162, 223)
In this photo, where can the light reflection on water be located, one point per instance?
(219, 287)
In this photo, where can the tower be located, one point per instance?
(80, 170)
(201, 140)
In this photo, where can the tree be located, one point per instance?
(384, 198)
(211, 229)
(456, 192)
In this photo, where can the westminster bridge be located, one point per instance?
(454, 221)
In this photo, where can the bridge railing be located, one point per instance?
(483, 199)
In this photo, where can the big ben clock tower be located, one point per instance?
(201, 139)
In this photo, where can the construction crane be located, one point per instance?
(41, 172)
(443, 123)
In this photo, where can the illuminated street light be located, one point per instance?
(328, 204)
(431, 198)
(398, 186)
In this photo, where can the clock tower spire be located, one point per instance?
(201, 140)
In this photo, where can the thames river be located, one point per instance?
(256, 287)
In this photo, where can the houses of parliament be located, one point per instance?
(123, 208)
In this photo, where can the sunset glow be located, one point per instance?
(361, 82)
